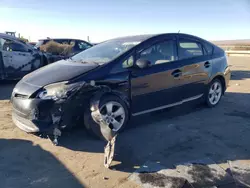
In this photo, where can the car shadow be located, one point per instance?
(6, 88)
(177, 135)
(240, 75)
(31, 166)
(73, 139)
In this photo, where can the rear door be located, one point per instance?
(157, 86)
(196, 67)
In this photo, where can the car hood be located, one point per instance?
(63, 70)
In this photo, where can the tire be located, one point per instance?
(109, 119)
(214, 93)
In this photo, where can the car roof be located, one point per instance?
(60, 39)
(148, 36)
(8, 36)
(135, 37)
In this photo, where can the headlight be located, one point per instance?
(59, 90)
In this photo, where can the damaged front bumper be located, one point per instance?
(35, 115)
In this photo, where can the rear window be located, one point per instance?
(209, 48)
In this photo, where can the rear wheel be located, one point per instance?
(109, 119)
(214, 93)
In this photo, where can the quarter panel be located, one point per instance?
(219, 65)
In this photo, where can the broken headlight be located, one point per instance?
(59, 90)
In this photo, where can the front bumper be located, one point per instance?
(25, 124)
(32, 115)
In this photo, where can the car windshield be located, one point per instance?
(107, 51)
(39, 43)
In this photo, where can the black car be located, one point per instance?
(103, 86)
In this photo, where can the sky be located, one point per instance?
(106, 19)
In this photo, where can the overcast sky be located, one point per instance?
(105, 19)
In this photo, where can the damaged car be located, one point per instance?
(18, 58)
(105, 85)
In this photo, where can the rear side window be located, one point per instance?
(189, 49)
(209, 48)
(162, 52)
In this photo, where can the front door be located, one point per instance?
(157, 86)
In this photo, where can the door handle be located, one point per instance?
(207, 64)
(176, 73)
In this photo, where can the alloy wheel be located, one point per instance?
(215, 93)
(113, 115)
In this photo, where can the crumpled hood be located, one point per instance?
(63, 70)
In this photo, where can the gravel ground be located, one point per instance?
(169, 137)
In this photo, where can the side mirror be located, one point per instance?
(142, 63)
(29, 50)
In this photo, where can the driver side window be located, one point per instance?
(12, 46)
(163, 52)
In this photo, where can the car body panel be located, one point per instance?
(194, 76)
(155, 85)
(57, 72)
(19, 64)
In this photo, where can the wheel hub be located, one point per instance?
(113, 115)
(109, 119)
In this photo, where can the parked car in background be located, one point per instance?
(77, 45)
(107, 84)
(18, 58)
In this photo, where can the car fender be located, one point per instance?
(216, 75)
(106, 90)
(104, 129)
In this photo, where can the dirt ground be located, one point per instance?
(180, 134)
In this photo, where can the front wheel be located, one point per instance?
(214, 93)
(108, 119)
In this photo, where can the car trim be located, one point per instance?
(168, 105)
